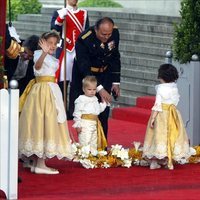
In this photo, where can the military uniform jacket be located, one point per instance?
(76, 22)
(95, 58)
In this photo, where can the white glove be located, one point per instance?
(62, 13)
(13, 33)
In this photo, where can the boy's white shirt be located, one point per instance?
(86, 105)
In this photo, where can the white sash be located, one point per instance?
(75, 20)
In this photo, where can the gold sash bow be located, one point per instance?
(101, 140)
(37, 79)
(173, 130)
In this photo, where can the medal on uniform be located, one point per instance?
(102, 45)
(111, 45)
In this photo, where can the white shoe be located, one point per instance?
(38, 170)
(154, 165)
(171, 167)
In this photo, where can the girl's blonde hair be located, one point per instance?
(52, 33)
(89, 80)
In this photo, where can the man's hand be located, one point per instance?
(116, 89)
(105, 96)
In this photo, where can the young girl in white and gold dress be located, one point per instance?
(166, 138)
(43, 131)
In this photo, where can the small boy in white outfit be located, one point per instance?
(87, 109)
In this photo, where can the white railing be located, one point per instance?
(9, 115)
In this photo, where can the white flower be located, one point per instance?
(85, 151)
(136, 145)
(182, 161)
(117, 146)
(87, 164)
(74, 148)
(192, 151)
(102, 153)
(127, 163)
(136, 162)
(106, 165)
(76, 159)
(115, 149)
(123, 154)
(94, 152)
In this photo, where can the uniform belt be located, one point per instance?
(98, 69)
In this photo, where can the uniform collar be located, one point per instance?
(71, 8)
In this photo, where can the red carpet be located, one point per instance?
(136, 183)
(139, 114)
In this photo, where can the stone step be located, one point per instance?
(126, 27)
(124, 100)
(141, 61)
(139, 74)
(130, 49)
(141, 68)
(119, 14)
(153, 29)
(39, 18)
(137, 87)
(149, 38)
(136, 80)
(52, 2)
(37, 27)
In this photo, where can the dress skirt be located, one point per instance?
(156, 139)
(40, 133)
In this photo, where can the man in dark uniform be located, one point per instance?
(97, 54)
(19, 59)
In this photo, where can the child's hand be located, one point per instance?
(43, 44)
(78, 129)
(152, 122)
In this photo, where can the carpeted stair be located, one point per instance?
(138, 114)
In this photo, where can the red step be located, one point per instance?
(146, 102)
(132, 114)
(138, 114)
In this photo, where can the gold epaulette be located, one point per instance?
(14, 50)
(86, 35)
(115, 27)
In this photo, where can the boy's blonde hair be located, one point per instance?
(89, 80)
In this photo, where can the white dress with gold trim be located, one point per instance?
(164, 140)
(43, 127)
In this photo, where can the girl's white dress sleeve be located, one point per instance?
(166, 93)
(158, 102)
